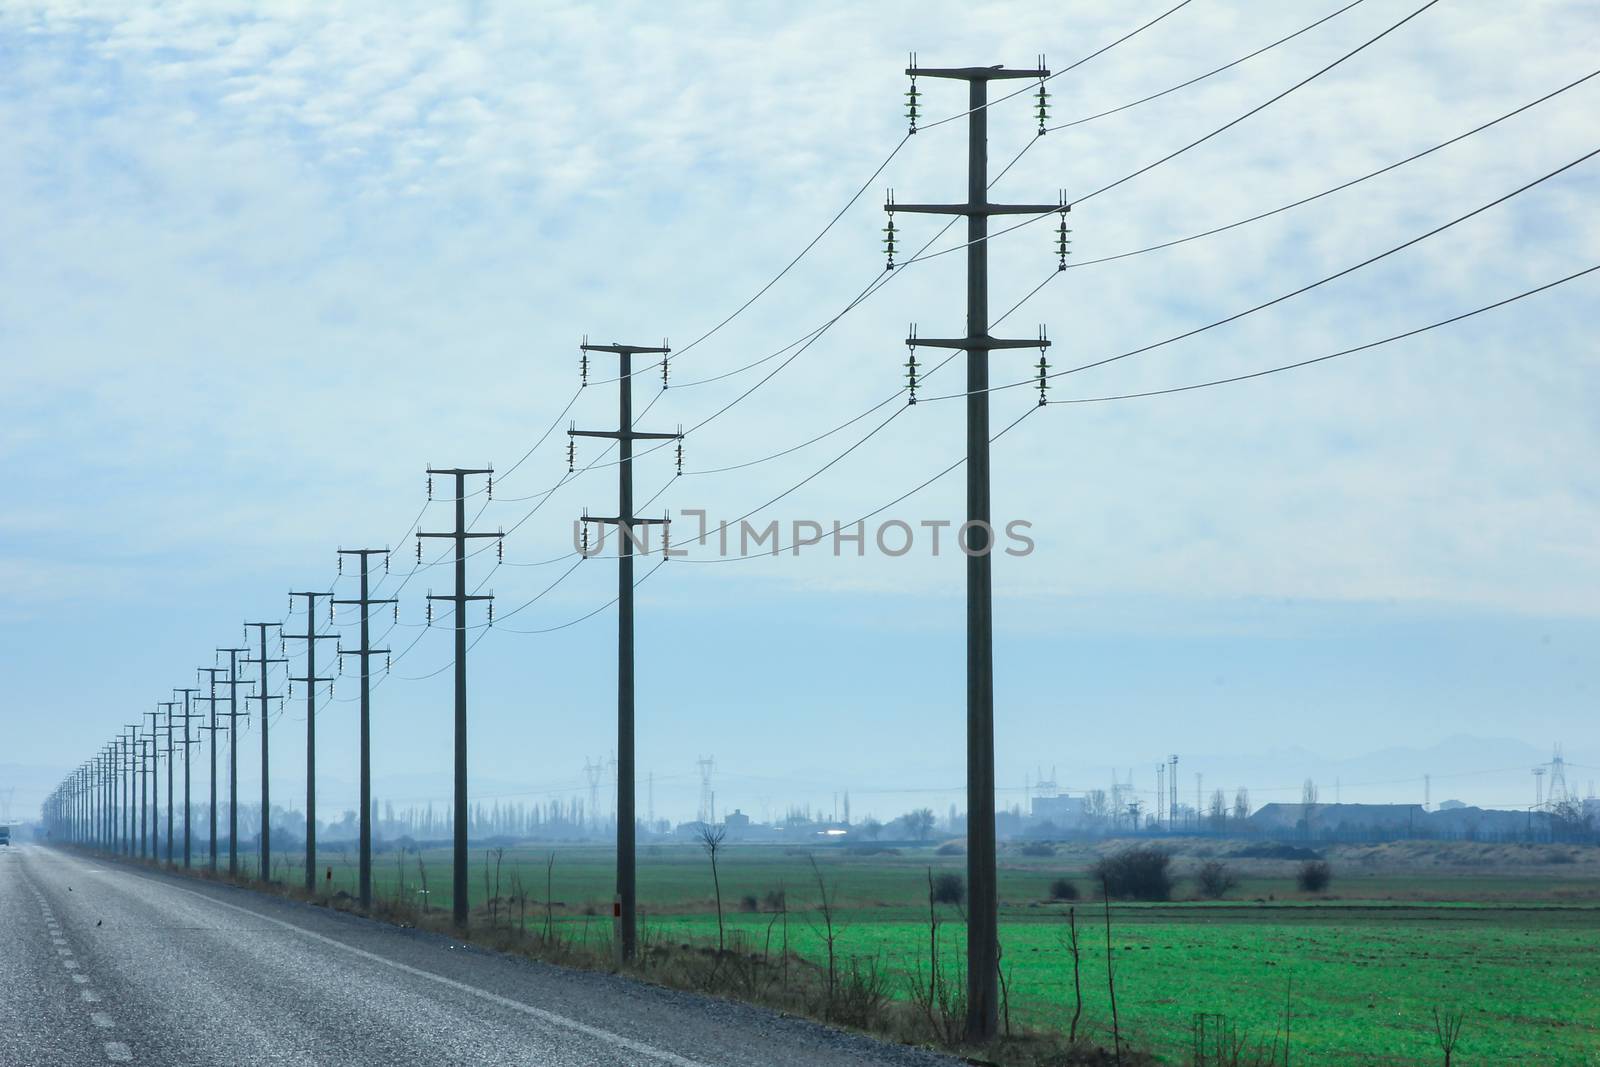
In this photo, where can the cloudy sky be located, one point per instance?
(261, 265)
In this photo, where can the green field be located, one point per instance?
(1508, 934)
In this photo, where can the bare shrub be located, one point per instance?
(949, 888)
(1138, 873)
(1215, 880)
(1314, 876)
(1063, 889)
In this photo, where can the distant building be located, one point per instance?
(736, 821)
(1062, 810)
(1339, 818)
(1451, 805)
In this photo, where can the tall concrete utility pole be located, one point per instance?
(627, 540)
(233, 682)
(129, 764)
(211, 699)
(366, 652)
(147, 787)
(983, 936)
(460, 535)
(311, 681)
(266, 796)
(188, 825)
(167, 706)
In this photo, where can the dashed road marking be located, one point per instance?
(89, 995)
(69, 964)
(81, 979)
(102, 1020)
(117, 1052)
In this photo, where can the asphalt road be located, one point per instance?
(104, 963)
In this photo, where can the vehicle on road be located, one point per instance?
(5, 835)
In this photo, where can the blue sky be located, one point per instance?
(257, 271)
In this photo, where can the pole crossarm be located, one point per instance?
(626, 435)
(977, 209)
(976, 344)
(626, 350)
(976, 74)
(617, 519)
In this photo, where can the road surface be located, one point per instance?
(105, 963)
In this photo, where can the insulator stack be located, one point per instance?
(583, 369)
(397, 611)
(386, 562)
(291, 690)
(663, 372)
(572, 455)
(430, 487)
(500, 548)
(680, 450)
(1062, 241)
(340, 558)
(419, 550)
(429, 611)
(490, 490)
(491, 612)
(666, 538)
(1042, 101)
(889, 232)
(1044, 368)
(912, 96)
(388, 662)
(912, 365)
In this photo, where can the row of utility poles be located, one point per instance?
(91, 800)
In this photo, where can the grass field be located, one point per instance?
(1508, 934)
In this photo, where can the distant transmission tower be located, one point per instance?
(1538, 786)
(593, 771)
(1558, 776)
(706, 764)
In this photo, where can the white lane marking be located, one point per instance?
(117, 1052)
(102, 1020)
(81, 979)
(63, 951)
(606, 1036)
(69, 964)
(58, 940)
(89, 996)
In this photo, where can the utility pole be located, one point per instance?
(266, 796)
(461, 535)
(233, 682)
(168, 705)
(983, 936)
(188, 850)
(147, 782)
(366, 652)
(311, 637)
(625, 521)
(129, 763)
(212, 729)
(1172, 790)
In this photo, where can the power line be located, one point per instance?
(1207, 74)
(1258, 108)
(1334, 355)
(1294, 293)
(1102, 50)
(1308, 199)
